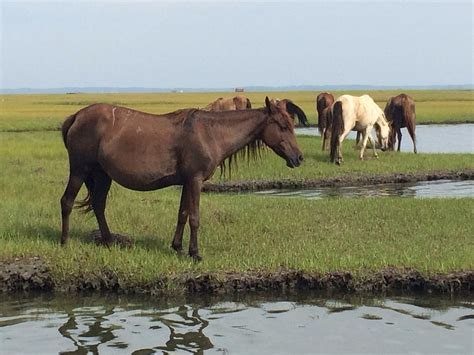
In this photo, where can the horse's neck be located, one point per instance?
(381, 121)
(233, 130)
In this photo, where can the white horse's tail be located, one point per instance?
(337, 129)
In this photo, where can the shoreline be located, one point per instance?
(341, 181)
(33, 274)
(312, 125)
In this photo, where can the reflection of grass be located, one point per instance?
(35, 112)
(239, 232)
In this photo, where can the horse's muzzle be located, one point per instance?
(295, 162)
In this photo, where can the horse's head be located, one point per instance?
(279, 134)
(391, 137)
(382, 127)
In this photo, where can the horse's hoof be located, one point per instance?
(196, 258)
(178, 250)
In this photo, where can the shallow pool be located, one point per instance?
(453, 138)
(305, 323)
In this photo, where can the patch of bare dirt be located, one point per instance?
(25, 274)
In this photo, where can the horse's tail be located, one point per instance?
(68, 122)
(249, 105)
(337, 129)
(86, 204)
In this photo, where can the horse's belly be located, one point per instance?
(138, 174)
(146, 183)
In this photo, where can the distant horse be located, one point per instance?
(324, 102)
(144, 152)
(360, 114)
(233, 103)
(292, 110)
(400, 112)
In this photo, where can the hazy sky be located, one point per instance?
(227, 44)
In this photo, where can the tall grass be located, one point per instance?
(40, 112)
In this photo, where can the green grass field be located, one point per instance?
(42, 112)
(238, 232)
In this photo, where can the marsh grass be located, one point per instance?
(40, 112)
(238, 232)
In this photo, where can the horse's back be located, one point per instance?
(359, 111)
(324, 100)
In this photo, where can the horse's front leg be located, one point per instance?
(372, 143)
(177, 243)
(194, 197)
(365, 137)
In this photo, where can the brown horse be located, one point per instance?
(146, 152)
(400, 112)
(292, 110)
(233, 103)
(324, 103)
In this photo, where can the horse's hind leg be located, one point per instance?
(399, 134)
(413, 138)
(67, 202)
(98, 184)
(177, 243)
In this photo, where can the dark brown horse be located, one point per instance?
(292, 110)
(324, 103)
(400, 112)
(146, 152)
(229, 104)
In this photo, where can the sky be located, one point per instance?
(196, 44)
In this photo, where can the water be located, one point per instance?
(423, 189)
(457, 138)
(266, 324)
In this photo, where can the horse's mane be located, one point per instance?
(293, 110)
(250, 152)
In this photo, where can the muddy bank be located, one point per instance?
(33, 274)
(340, 181)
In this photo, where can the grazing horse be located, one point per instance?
(229, 104)
(324, 102)
(360, 114)
(145, 152)
(292, 110)
(400, 112)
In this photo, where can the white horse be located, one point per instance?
(359, 114)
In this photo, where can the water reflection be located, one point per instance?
(423, 189)
(260, 323)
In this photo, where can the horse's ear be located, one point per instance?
(269, 105)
